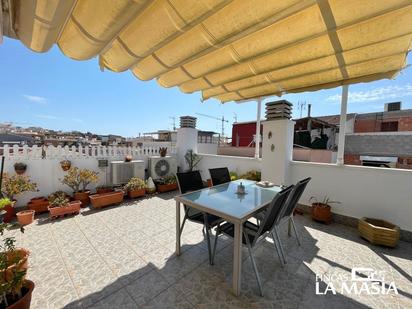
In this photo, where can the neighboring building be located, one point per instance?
(372, 139)
(243, 134)
(14, 139)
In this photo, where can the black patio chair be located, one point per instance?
(288, 211)
(192, 181)
(253, 234)
(219, 175)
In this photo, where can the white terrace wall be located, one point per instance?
(240, 165)
(46, 172)
(363, 191)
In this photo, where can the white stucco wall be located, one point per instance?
(363, 191)
(207, 148)
(240, 165)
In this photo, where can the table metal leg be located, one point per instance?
(177, 228)
(237, 259)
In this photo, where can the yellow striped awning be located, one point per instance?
(228, 49)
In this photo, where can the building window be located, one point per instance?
(390, 126)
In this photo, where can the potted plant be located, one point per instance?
(78, 180)
(107, 199)
(251, 175)
(12, 186)
(20, 168)
(163, 151)
(38, 204)
(104, 189)
(25, 217)
(60, 205)
(321, 210)
(65, 165)
(192, 159)
(136, 187)
(15, 289)
(166, 184)
(4, 202)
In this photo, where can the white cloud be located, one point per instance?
(43, 116)
(382, 93)
(36, 99)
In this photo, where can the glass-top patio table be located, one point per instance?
(223, 201)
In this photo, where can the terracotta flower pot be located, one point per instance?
(70, 208)
(24, 302)
(10, 212)
(38, 204)
(167, 187)
(209, 183)
(65, 165)
(321, 212)
(106, 199)
(83, 197)
(25, 217)
(137, 193)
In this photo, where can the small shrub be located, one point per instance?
(17, 184)
(135, 183)
(252, 175)
(79, 179)
(4, 202)
(58, 199)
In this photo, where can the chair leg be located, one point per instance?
(295, 230)
(255, 268)
(275, 243)
(275, 230)
(207, 229)
(215, 244)
(183, 224)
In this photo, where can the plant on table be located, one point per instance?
(14, 288)
(192, 159)
(321, 209)
(78, 180)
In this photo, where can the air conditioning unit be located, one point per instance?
(121, 171)
(162, 166)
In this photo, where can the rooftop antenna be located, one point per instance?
(235, 116)
(222, 119)
(174, 123)
(302, 106)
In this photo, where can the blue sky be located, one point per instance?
(53, 91)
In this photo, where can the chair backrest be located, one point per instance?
(274, 210)
(219, 175)
(294, 197)
(189, 181)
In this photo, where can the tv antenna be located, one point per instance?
(302, 106)
(174, 123)
(222, 119)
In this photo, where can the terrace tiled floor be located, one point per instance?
(123, 257)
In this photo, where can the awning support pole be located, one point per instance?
(342, 125)
(257, 136)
